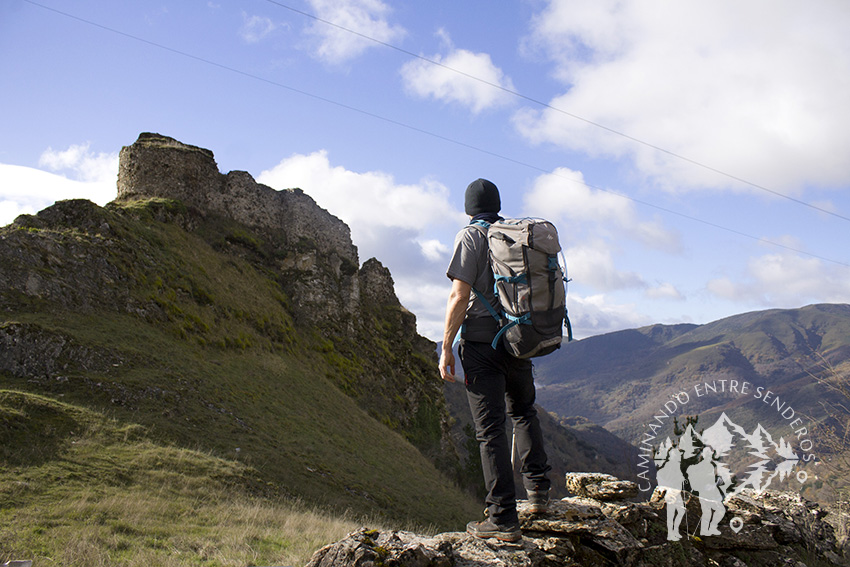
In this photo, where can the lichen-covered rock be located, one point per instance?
(583, 521)
(371, 548)
(600, 486)
(778, 529)
(61, 256)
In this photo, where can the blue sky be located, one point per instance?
(694, 156)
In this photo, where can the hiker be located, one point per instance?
(703, 479)
(669, 475)
(497, 383)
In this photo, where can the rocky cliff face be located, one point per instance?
(308, 238)
(78, 257)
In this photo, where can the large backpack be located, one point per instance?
(530, 285)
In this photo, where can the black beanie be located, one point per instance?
(482, 196)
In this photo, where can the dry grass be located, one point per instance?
(134, 527)
(110, 496)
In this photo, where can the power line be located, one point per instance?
(431, 134)
(562, 111)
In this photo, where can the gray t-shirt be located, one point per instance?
(470, 263)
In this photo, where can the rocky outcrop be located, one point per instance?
(603, 487)
(63, 266)
(159, 166)
(317, 258)
(132, 257)
(775, 529)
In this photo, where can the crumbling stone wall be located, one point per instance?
(159, 166)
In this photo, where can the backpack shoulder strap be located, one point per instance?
(483, 227)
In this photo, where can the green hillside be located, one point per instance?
(79, 488)
(188, 334)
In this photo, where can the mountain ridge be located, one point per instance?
(265, 335)
(761, 369)
(222, 314)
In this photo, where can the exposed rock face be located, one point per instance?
(75, 256)
(319, 253)
(776, 529)
(45, 266)
(158, 166)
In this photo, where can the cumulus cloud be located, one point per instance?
(365, 17)
(664, 291)
(452, 81)
(427, 299)
(255, 28)
(403, 225)
(598, 314)
(79, 174)
(787, 279)
(754, 89)
(434, 249)
(593, 265)
(563, 198)
(365, 200)
(79, 162)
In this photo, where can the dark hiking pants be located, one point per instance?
(499, 385)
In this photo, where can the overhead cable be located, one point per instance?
(431, 134)
(562, 111)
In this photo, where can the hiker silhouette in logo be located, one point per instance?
(703, 479)
(670, 478)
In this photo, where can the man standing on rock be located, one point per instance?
(497, 384)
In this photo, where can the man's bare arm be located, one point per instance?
(455, 314)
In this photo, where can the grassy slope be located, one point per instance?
(81, 489)
(217, 365)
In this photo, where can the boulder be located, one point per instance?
(603, 487)
(770, 528)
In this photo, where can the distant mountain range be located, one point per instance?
(757, 367)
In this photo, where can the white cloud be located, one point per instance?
(85, 176)
(10, 210)
(365, 17)
(444, 83)
(81, 163)
(255, 28)
(755, 89)
(427, 299)
(592, 264)
(598, 314)
(434, 250)
(664, 291)
(399, 224)
(563, 198)
(368, 200)
(787, 279)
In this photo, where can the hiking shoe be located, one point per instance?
(538, 502)
(487, 529)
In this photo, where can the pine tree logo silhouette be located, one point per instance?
(694, 465)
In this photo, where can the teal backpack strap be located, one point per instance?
(498, 317)
(524, 320)
(485, 225)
